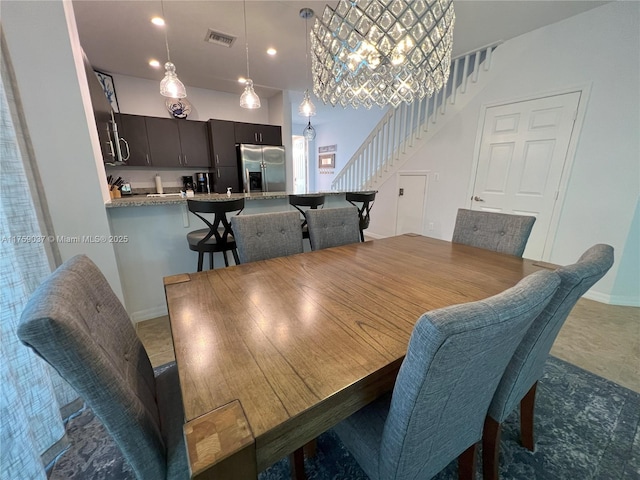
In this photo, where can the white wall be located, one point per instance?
(598, 49)
(41, 38)
(348, 130)
(139, 96)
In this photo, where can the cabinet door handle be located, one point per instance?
(260, 138)
(185, 159)
(180, 159)
(217, 160)
(255, 136)
(147, 157)
(218, 170)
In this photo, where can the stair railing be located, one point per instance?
(400, 127)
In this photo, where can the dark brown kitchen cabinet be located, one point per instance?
(258, 134)
(226, 177)
(194, 141)
(164, 142)
(177, 143)
(132, 130)
(223, 143)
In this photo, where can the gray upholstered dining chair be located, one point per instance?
(455, 359)
(267, 235)
(519, 382)
(76, 323)
(500, 232)
(332, 227)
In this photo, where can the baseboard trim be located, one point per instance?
(149, 313)
(613, 299)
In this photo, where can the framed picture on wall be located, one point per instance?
(327, 160)
(106, 81)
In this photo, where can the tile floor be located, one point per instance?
(603, 339)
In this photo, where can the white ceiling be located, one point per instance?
(118, 36)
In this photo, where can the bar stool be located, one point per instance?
(367, 199)
(312, 200)
(218, 237)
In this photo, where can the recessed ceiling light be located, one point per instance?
(242, 80)
(272, 51)
(154, 63)
(158, 21)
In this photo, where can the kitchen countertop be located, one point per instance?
(144, 200)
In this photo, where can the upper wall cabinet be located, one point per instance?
(258, 134)
(177, 143)
(223, 143)
(132, 131)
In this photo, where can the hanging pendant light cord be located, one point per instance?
(246, 37)
(306, 49)
(166, 41)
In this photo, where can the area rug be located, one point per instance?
(586, 428)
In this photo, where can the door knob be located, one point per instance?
(478, 199)
(401, 192)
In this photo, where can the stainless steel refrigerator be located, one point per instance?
(262, 168)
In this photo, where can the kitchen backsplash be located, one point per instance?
(144, 178)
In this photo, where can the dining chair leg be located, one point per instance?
(226, 259)
(361, 235)
(200, 260)
(527, 406)
(235, 256)
(297, 465)
(490, 449)
(311, 448)
(467, 463)
(211, 263)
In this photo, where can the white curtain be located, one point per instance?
(31, 427)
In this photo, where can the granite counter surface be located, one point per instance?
(146, 201)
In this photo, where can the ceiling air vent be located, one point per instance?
(219, 38)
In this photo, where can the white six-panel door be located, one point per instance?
(523, 150)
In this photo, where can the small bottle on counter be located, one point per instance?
(158, 184)
(228, 191)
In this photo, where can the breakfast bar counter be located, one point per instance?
(150, 241)
(144, 200)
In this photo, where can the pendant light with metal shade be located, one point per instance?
(249, 98)
(306, 108)
(170, 86)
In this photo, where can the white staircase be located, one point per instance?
(402, 129)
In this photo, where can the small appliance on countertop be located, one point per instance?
(187, 183)
(204, 182)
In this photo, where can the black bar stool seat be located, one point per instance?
(311, 200)
(218, 237)
(366, 199)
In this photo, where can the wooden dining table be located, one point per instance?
(271, 354)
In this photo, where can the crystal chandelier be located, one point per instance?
(381, 52)
(249, 98)
(170, 86)
(306, 108)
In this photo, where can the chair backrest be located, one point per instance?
(76, 323)
(455, 359)
(332, 227)
(219, 209)
(364, 210)
(267, 235)
(527, 364)
(500, 232)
